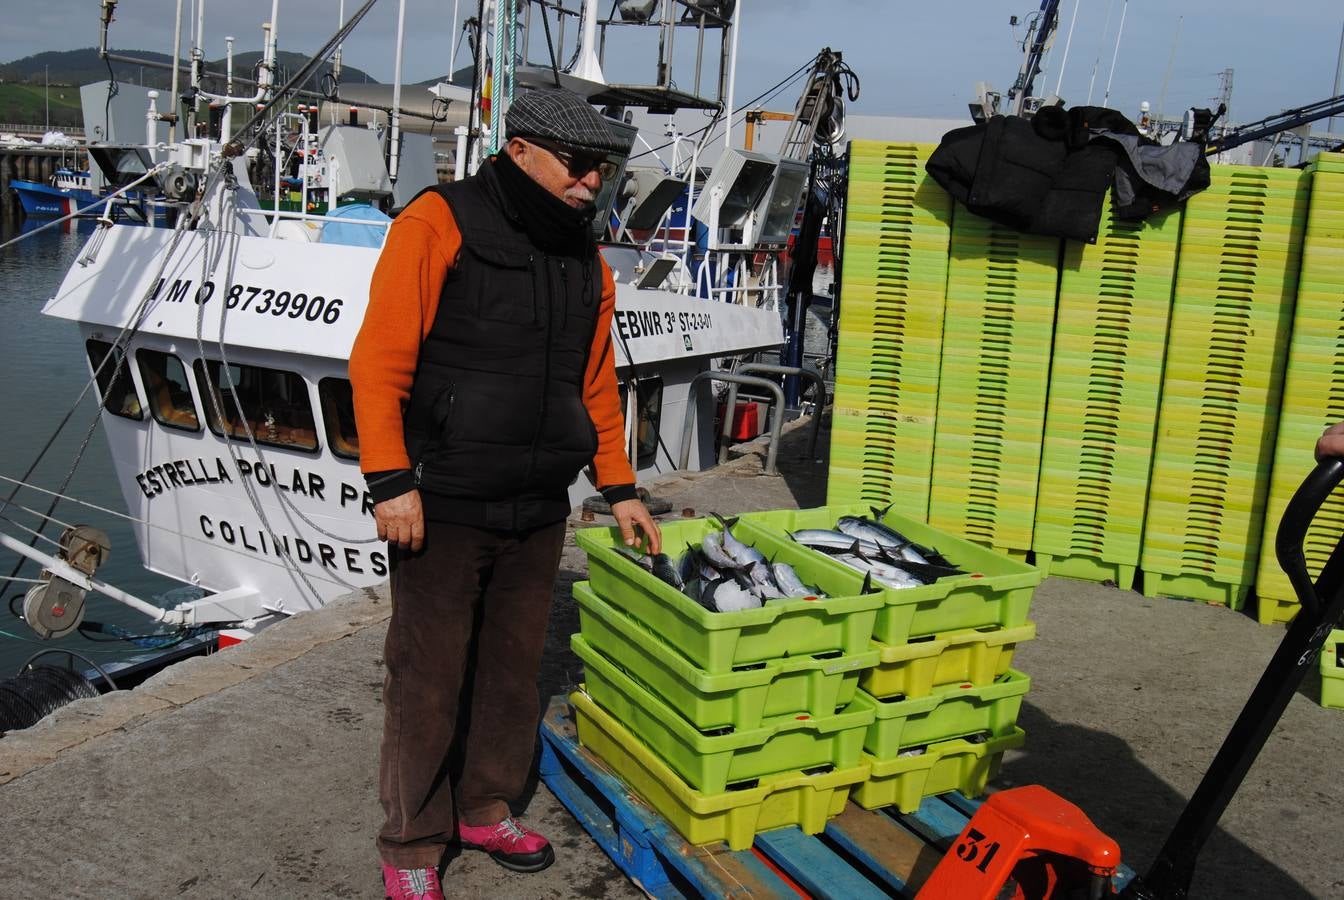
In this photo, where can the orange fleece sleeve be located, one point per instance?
(602, 397)
(421, 246)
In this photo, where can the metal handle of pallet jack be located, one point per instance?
(1297, 517)
(810, 375)
(1172, 871)
(776, 416)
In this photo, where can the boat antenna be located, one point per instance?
(394, 144)
(1124, 7)
(1171, 60)
(1096, 63)
(245, 134)
(1068, 42)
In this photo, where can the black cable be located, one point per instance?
(119, 350)
(73, 655)
(550, 48)
(477, 50)
(112, 89)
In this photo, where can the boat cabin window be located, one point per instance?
(114, 382)
(648, 406)
(272, 403)
(338, 414)
(166, 389)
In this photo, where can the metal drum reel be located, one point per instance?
(55, 607)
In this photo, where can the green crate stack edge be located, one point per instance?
(1227, 345)
(747, 761)
(897, 232)
(1000, 312)
(1106, 375)
(1313, 388)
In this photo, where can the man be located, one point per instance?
(484, 381)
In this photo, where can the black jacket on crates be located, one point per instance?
(1049, 174)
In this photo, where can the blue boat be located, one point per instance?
(69, 191)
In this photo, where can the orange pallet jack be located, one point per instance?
(1028, 843)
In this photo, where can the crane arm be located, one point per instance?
(1271, 125)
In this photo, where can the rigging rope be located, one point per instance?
(144, 522)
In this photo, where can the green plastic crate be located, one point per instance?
(818, 685)
(717, 642)
(711, 762)
(789, 798)
(1332, 671)
(996, 591)
(958, 765)
(924, 665)
(952, 713)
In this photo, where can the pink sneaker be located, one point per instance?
(509, 844)
(411, 884)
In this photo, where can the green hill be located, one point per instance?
(32, 104)
(68, 69)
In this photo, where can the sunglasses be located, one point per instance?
(578, 163)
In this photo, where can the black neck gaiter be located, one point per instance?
(551, 224)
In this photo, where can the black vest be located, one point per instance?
(496, 426)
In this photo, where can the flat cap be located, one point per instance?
(554, 114)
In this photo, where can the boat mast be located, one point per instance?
(394, 146)
(177, 55)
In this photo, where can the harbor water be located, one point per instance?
(43, 370)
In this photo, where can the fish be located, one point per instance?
(790, 583)
(714, 551)
(659, 565)
(884, 572)
(688, 567)
(743, 554)
(763, 582)
(638, 559)
(887, 538)
(830, 541)
(666, 571)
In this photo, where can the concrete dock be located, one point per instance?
(251, 773)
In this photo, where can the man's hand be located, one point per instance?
(401, 520)
(631, 515)
(1332, 442)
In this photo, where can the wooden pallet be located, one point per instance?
(861, 855)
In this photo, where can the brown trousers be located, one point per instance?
(460, 703)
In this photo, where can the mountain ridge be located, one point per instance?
(79, 67)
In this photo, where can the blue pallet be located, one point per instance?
(861, 854)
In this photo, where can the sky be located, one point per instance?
(912, 58)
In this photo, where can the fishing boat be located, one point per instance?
(219, 346)
(69, 191)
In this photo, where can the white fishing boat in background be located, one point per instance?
(219, 346)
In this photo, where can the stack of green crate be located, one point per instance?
(1001, 287)
(726, 723)
(942, 694)
(1236, 280)
(1313, 388)
(1105, 378)
(897, 227)
(1332, 670)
